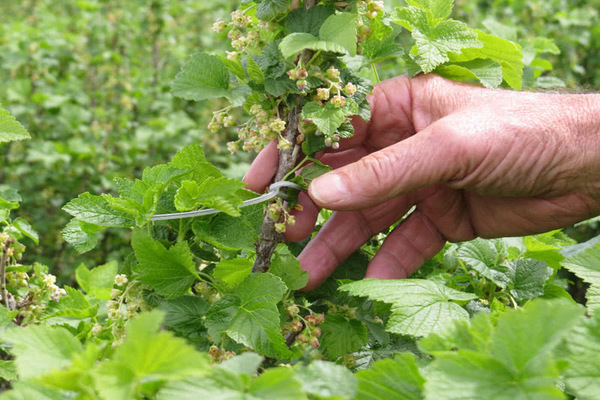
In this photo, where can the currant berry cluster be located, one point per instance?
(305, 328)
(263, 126)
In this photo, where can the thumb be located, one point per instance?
(438, 154)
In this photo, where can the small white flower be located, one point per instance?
(121, 280)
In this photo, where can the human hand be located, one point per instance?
(475, 162)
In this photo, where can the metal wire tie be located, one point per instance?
(274, 191)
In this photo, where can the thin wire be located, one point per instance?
(274, 191)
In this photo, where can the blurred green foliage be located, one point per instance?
(91, 81)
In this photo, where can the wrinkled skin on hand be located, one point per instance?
(475, 162)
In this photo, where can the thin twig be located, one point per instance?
(3, 263)
(269, 237)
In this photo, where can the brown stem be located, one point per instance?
(3, 262)
(269, 237)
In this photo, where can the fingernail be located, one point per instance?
(329, 188)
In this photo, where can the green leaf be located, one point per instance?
(147, 355)
(233, 272)
(219, 193)
(381, 43)
(419, 307)
(488, 72)
(221, 384)
(341, 336)
(26, 229)
(29, 391)
(586, 265)
(396, 378)
(185, 314)
(583, 373)
(436, 8)
(202, 77)
(99, 281)
(308, 20)
(254, 71)
(528, 278)
(524, 338)
(40, 349)
(519, 364)
(313, 171)
(327, 118)
(505, 52)
(81, 235)
(342, 30)
(296, 42)
(73, 306)
(483, 256)
(10, 128)
(170, 272)
(231, 233)
(434, 46)
(192, 158)
(271, 61)
(8, 370)
(250, 316)
(96, 210)
(9, 198)
(461, 335)
(287, 267)
(280, 86)
(326, 380)
(277, 384)
(234, 66)
(269, 9)
(245, 363)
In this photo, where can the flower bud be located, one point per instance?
(280, 227)
(229, 122)
(219, 26)
(232, 147)
(350, 89)
(301, 84)
(121, 280)
(322, 94)
(96, 330)
(314, 342)
(284, 144)
(278, 125)
(338, 101)
(232, 55)
(293, 310)
(302, 73)
(333, 74)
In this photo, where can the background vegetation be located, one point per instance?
(91, 81)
